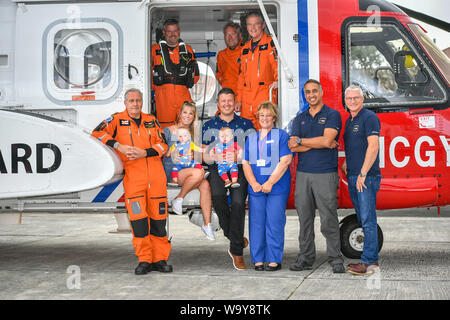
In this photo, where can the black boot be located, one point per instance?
(143, 268)
(161, 266)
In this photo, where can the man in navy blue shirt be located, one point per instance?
(231, 218)
(362, 130)
(314, 136)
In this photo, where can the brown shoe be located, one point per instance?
(354, 264)
(238, 261)
(245, 242)
(362, 268)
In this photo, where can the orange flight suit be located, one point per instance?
(228, 67)
(144, 182)
(170, 97)
(258, 70)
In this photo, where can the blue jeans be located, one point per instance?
(365, 207)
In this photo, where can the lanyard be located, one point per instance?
(261, 145)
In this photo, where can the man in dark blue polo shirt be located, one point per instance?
(314, 136)
(361, 138)
(231, 218)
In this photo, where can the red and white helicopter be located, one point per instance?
(65, 65)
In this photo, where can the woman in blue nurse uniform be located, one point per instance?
(266, 163)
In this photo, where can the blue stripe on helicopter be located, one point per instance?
(303, 51)
(106, 192)
(303, 56)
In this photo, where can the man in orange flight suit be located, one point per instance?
(228, 59)
(175, 70)
(258, 70)
(140, 143)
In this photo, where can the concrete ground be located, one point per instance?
(76, 256)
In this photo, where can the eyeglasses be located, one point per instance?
(353, 98)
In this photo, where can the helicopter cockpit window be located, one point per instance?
(382, 61)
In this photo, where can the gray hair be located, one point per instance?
(233, 25)
(125, 96)
(354, 88)
(255, 14)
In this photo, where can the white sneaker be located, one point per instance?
(177, 206)
(208, 231)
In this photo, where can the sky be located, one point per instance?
(439, 9)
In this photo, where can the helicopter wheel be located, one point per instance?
(352, 237)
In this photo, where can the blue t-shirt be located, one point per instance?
(305, 126)
(270, 150)
(363, 125)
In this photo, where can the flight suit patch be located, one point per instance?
(263, 47)
(109, 119)
(162, 208)
(124, 122)
(149, 124)
(135, 208)
(245, 51)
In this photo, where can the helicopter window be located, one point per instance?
(97, 66)
(205, 88)
(82, 58)
(3, 60)
(438, 57)
(62, 65)
(384, 63)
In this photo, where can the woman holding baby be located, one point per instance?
(183, 168)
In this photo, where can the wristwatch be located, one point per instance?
(362, 175)
(299, 141)
(116, 145)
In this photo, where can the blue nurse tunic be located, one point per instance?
(267, 217)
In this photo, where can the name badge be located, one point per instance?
(261, 163)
